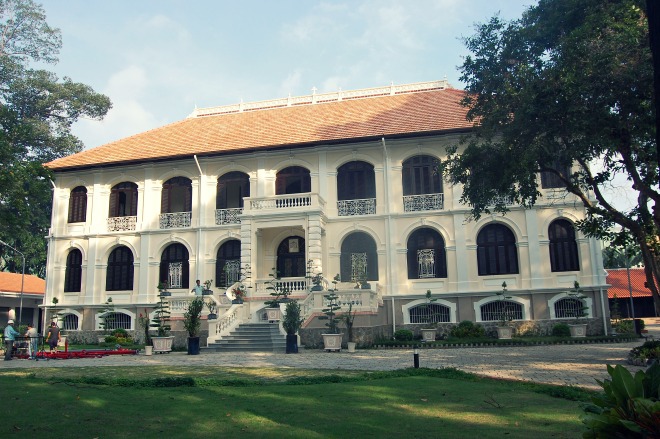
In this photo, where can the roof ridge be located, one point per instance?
(313, 99)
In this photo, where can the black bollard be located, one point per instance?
(416, 358)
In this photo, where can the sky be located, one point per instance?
(158, 59)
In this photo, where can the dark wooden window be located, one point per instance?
(231, 189)
(563, 246)
(73, 273)
(496, 251)
(355, 243)
(123, 200)
(291, 261)
(426, 239)
(293, 180)
(78, 205)
(176, 195)
(421, 176)
(120, 270)
(356, 181)
(229, 251)
(550, 180)
(175, 253)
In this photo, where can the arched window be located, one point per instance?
(232, 187)
(123, 200)
(118, 320)
(291, 261)
(355, 181)
(70, 322)
(496, 251)
(569, 307)
(359, 259)
(429, 313)
(78, 205)
(563, 246)
(228, 264)
(293, 180)
(73, 273)
(174, 266)
(120, 270)
(550, 180)
(421, 175)
(496, 309)
(426, 255)
(176, 195)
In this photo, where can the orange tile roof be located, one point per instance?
(301, 125)
(618, 279)
(11, 283)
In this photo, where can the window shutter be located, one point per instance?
(134, 201)
(165, 199)
(188, 198)
(114, 197)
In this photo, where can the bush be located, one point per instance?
(625, 327)
(119, 333)
(403, 335)
(561, 330)
(111, 339)
(467, 329)
(650, 350)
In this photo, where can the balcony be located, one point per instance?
(420, 203)
(175, 220)
(365, 206)
(228, 216)
(284, 203)
(121, 223)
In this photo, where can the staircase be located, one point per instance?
(252, 337)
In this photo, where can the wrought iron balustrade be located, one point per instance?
(419, 203)
(175, 220)
(365, 206)
(121, 223)
(228, 216)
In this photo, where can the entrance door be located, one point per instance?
(291, 257)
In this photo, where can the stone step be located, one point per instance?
(255, 337)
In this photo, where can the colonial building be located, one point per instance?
(341, 183)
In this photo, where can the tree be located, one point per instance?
(566, 90)
(37, 111)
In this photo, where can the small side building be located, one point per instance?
(10, 298)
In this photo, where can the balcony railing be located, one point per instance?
(294, 202)
(121, 223)
(418, 203)
(228, 216)
(175, 220)
(365, 206)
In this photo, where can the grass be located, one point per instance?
(516, 340)
(107, 402)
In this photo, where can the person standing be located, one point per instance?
(53, 336)
(33, 345)
(10, 336)
(197, 289)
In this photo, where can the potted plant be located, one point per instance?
(332, 338)
(207, 288)
(106, 317)
(239, 293)
(315, 278)
(162, 289)
(162, 341)
(291, 322)
(280, 293)
(143, 323)
(349, 318)
(504, 329)
(429, 329)
(192, 321)
(579, 328)
(213, 308)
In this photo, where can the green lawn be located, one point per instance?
(246, 403)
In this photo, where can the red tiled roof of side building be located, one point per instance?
(618, 279)
(414, 113)
(11, 283)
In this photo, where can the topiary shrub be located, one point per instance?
(468, 329)
(641, 355)
(561, 330)
(403, 335)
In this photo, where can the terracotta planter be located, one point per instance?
(428, 334)
(273, 314)
(162, 344)
(578, 330)
(504, 332)
(332, 342)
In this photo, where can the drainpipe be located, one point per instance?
(388, 234)
(199, 218)
(603, 298)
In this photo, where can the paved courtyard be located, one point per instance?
(574, 364)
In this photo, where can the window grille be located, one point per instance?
(495, 310)
(426, 261)
(70, 322)
(176, 275)
(233, 271)
(431, 313)
(118, 320)
(568, 308)
(358, 266)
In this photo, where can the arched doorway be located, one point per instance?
(291, 257)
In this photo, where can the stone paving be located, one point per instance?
(574, 364)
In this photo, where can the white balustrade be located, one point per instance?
(175, 220)
(121, 223)
(419, 203)
(365, 206)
